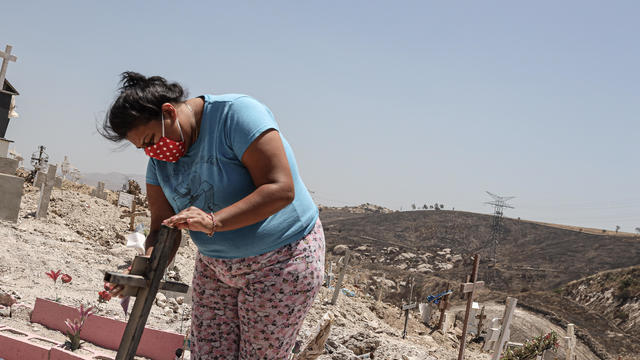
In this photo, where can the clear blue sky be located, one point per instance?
(391, 103)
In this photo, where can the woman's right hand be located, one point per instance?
(116, 290)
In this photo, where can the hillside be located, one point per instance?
(535, 262)
(616, 293)
(530, 255)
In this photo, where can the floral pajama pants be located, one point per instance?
(253, 307)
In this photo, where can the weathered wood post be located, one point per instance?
(505, 332)
(470, 289)
(443, 306)
(146, 295)
(570, 341)
(343, 270)
(406, 308)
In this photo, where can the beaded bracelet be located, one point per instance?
(213, 226)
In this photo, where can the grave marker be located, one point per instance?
(132, 217)
(406, 308)
(99, 191)
(381, 289)
(343, 269)
(125, 199)
(426, 311)
(570, 341)
(481, 318)
(443, 306)
(505, 331)
(45, 192)
(469, 288)
(493, 333)
(6, 57)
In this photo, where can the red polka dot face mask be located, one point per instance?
(166, 149)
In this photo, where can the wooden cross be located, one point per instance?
(406, 308)
(6, 57)
(345, 263)
(505, 328)
(481, 318)
(133, 215)
(469, 288)
(144, 282)
(443, 306)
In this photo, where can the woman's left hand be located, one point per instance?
(190, 218)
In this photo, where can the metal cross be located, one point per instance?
(6, 57)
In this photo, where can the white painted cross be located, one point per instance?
(570, 340)
(505, 332)
(6, 57)
(493, 333)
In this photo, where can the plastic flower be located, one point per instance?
(104, 296)
(66, 278)
(54, 275)
(75, 326)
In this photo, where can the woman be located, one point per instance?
(220, 168)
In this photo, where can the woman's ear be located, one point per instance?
(169, 111)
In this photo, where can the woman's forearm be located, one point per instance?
(263, 202)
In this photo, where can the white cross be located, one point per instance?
(6, 57)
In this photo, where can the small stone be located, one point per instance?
(161, 296)
(168, 312)
(180, 300)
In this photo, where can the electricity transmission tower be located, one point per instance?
(499, 203)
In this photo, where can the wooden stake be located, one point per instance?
(470, 289)
(345, 263)
(443, 306)
(146, 296)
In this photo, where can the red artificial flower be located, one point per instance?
(54, 274)
(104, 296)
(66, 278)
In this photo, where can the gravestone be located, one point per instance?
(447, 322)
(125, 199)
(10, 196)
(99, 191)
(8, 165)
(45, 193)
(472, 323)
(493, 333)
(426, 311)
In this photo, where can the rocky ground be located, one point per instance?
(83, 237)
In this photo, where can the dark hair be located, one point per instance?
(139, 102)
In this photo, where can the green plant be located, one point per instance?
(532, 348)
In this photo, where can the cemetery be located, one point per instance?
(398, 285)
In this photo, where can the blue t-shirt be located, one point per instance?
(210, 176)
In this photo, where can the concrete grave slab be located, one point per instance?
(10, 196)
(8, 166)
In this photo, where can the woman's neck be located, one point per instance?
(191, 114)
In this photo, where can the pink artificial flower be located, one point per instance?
(66, 278)
(54, 275)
